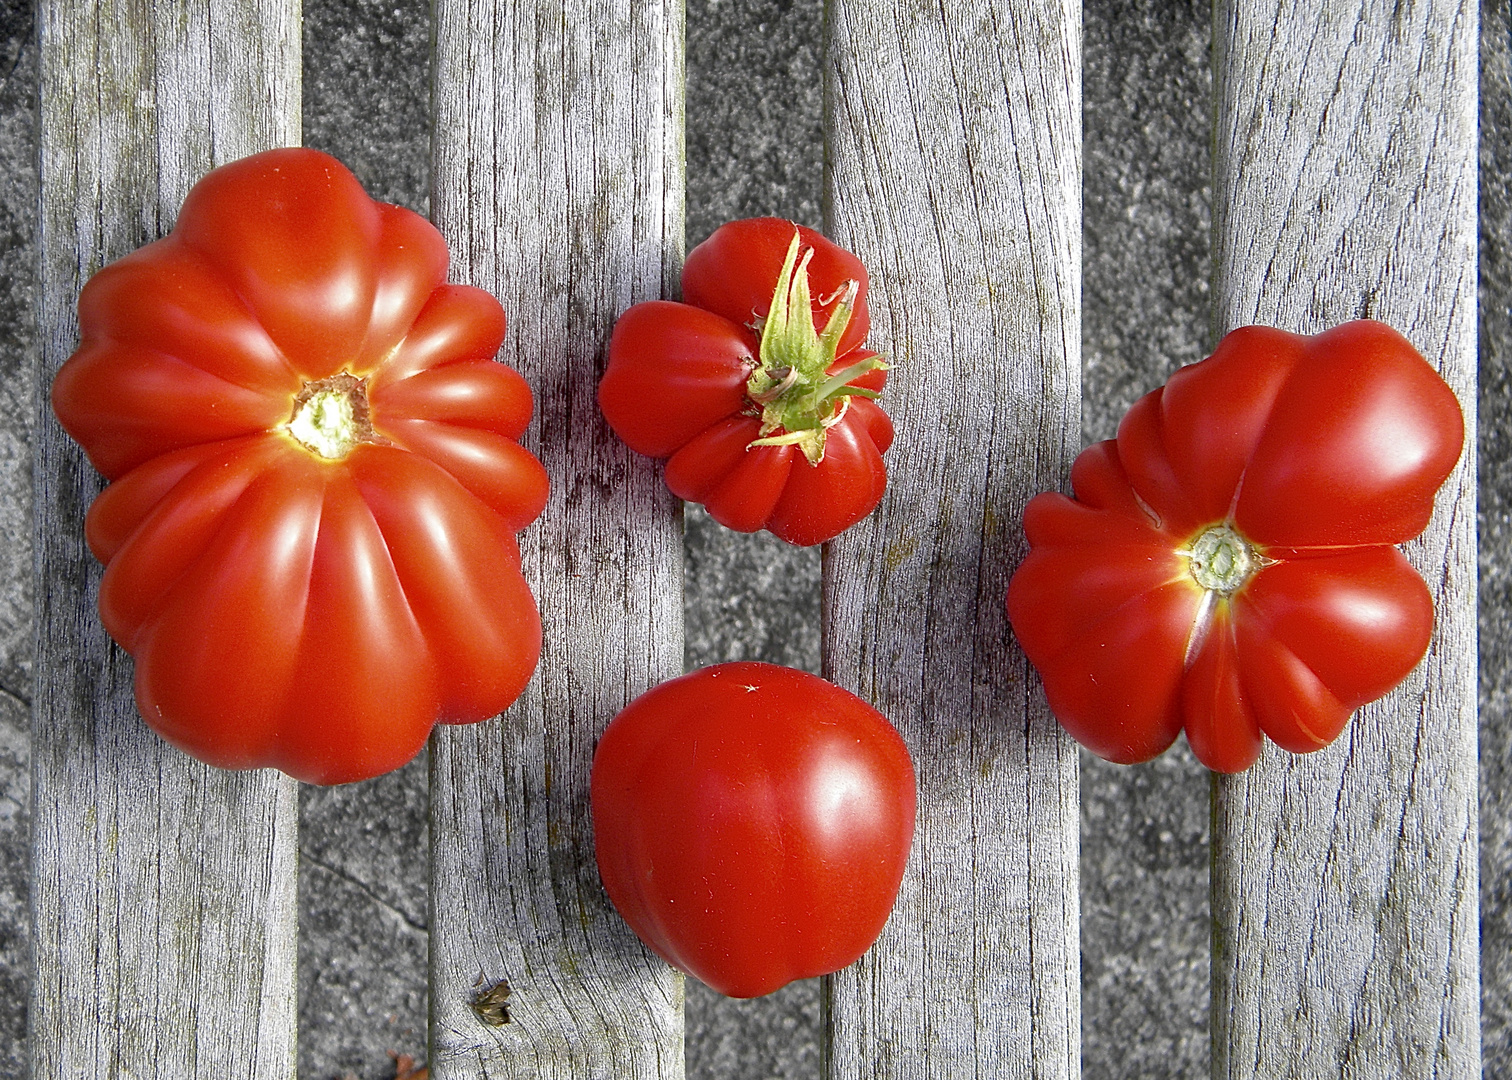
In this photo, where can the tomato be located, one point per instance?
(1228, 564)
(757, 388)
(315, 479)
(752, 823)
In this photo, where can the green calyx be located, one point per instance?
(799, 399)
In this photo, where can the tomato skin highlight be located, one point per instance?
(315, 607)
(1319, 454)
(681, 378)
(752, 824)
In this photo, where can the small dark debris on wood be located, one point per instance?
(491, 1004)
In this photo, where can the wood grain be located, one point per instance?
(1345, 882)
(163, 893)
(559, 183)
(955, 151)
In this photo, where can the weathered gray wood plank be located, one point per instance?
(1345, 882)
(163, 893)
(559, 183)
(955, 150)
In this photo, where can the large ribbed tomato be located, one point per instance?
(757, 388)
(752, 823)
(1228, 565)
(309, 533)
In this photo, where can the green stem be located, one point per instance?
(799, 398)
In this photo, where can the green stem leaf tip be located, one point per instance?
(798, 397)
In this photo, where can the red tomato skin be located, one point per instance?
(692, 362)
(674, 387)
(820, 503)
(1323, 452)
(317, 615)
(752, 824)
(733, 272)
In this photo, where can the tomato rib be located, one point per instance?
(358, 622)
(196, 317)
(174, 527)
(212, 680)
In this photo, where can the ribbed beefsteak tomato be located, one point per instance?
(752, 824)
(1228, 564)
(758, 388)
(315, 479)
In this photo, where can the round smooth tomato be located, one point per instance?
(757, 388)
(1228, 564)
(315, 476)
(752, 824)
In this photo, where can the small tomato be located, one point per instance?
(1228, 564)
(752, 823)
(315, 478)
(757, 388)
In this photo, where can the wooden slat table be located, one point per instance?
(559, 183)
(1345, 882)
(955, 142)
(1344, 888)
(163, 898)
